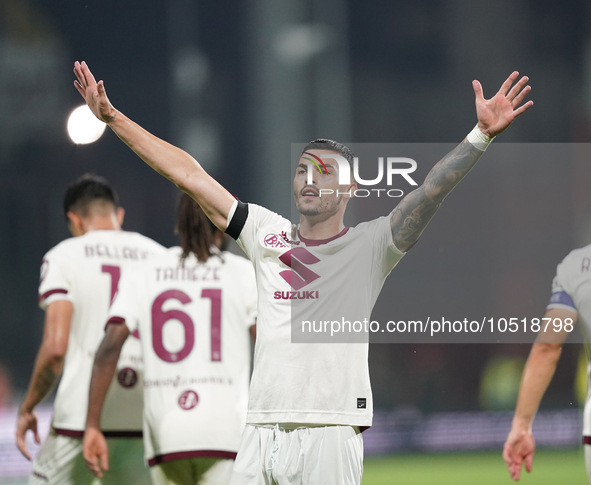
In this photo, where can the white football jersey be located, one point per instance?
(310, 280)
(194, 321)
(571, 290)
(86, 271)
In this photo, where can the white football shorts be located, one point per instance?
(60, 462)
(193, 471)
(296, 454)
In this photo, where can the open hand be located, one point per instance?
(93, 93)
(519, 448)
(95, 451)
(26, 421)
(497, 113)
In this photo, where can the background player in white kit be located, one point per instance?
(570, 302)
(193, 307)
(79, 278)
(308, 401)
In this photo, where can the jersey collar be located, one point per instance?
(319, 242)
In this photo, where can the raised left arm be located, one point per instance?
(411, 216)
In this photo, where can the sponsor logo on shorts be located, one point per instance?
(296, 295)
(361, 403)
(127, 377)
(188, 400)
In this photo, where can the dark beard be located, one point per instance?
(312, 211)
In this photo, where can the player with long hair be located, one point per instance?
(193, 308)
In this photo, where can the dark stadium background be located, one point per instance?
(236, 82)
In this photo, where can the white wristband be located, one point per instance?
(479, 139)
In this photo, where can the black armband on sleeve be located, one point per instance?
(238, 220)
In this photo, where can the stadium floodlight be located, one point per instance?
(84, 127)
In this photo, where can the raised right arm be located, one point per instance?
(175, 164)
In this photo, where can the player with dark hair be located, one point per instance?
(90, 191)
(308, 402)
(79, 278)
(331, 146)
(196, 378)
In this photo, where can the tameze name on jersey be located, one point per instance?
(296, 295)
(191, 273)
(114, 252)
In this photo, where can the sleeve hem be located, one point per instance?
(53, 295)
(116, 320)
(47, 294)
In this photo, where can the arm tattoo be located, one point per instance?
(44, 382)
(410, 217)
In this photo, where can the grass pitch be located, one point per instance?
(550, 468)
(488, 468)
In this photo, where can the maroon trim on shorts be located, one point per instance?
(587, 440)
(52, 292)
(69, 432)
(108, 434)
(318, 242)
(182, 455)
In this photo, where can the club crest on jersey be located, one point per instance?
(127, 377)
(188, 400)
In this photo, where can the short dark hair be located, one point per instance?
(87, 189)
(196, 231)
(333, 146)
